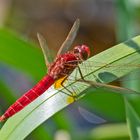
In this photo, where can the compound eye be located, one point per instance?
(85, 50)
(84, 55)
(82, 51)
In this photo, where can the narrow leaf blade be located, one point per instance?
(52, 101)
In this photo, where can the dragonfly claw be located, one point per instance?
(72, 99)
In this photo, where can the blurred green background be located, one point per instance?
(104, 23)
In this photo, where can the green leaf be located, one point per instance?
(132, 108)
(6, 93)
(127, 28)
(110, 132)
(13, 59)
(133, 120)
(20, 54)
(104, 103)
(52, 101)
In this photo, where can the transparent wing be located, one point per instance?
(70, 38)
(90, 117)
(46, 52)
(105, 75)
(108, 87)
(76, 88)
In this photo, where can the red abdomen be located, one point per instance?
(28, 97)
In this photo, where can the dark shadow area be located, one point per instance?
(132, 44)
(107, 77)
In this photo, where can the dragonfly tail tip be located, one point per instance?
(2, 118)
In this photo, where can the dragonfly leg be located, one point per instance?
(70, 93)
(80, 72)
(81, 75)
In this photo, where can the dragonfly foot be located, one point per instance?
(72, 99)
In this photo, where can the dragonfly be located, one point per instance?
(59, 70)
(56, 70)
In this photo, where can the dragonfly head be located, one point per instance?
(82, 51)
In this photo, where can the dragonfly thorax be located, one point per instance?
(64, 65)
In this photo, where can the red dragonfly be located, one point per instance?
(63, 65)
(65, 62)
